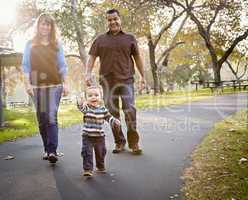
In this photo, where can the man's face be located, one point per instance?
(114, 22)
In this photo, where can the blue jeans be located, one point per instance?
(98, 144)
(125, 91)
(46, 101)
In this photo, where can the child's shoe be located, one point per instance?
(88, 173)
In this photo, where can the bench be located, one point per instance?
(15, 104)
(213, 86)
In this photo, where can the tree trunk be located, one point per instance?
(153, 67)
(4, 89)
(80, 39)
(217, 77)
(1, 105)
(161, 86)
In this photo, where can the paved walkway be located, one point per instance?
(168, 137)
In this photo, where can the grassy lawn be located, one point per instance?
(21, 122)
(217, 171)
(177, 97)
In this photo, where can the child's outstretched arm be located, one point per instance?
(82, 105)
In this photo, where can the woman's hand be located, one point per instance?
(29, 89)
(65, 91)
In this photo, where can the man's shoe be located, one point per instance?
(119, 148)
(87, 173)
(45, 156)
(136, 150)
(52, 158)
(101, 170)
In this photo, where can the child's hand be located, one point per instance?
(81, 103)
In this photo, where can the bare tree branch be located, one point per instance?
(165, 28)
(230, 50)
(245, 70)
(231, 68)
(236, 73)
(213, 19)
(168, 50)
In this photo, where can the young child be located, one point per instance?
(93, 136)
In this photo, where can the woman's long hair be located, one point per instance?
(53, 34)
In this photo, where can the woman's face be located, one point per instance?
(44, 28)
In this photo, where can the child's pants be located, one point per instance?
(90, 143)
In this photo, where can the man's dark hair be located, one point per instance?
(111, 11)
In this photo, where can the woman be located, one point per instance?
(45, 71)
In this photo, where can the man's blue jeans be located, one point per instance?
(112, 93)
(46, 102)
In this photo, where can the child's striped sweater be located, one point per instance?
(94, 118)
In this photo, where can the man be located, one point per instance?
(117, 50)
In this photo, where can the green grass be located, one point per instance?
(216, 172)
(18, 123)
(21, 122)
(177, 97)
(69, 115)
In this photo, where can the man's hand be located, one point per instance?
(142, 85)
(88, 79)
(117, 124)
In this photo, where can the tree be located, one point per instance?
(153, 22)
(241, 64)
(216, 16)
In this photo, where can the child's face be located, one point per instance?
(93, 97)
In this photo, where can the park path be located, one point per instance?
(168, 137)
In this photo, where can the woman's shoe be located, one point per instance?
(52, 158)
(45, 156)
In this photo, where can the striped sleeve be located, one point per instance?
(108, 117)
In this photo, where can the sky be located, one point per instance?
(7, 11)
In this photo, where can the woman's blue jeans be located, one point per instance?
(46, 102)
